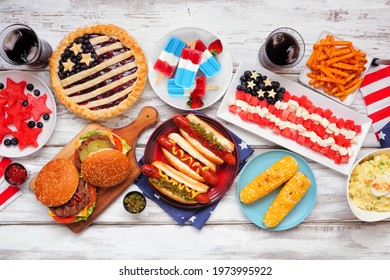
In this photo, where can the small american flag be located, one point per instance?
(376, 92)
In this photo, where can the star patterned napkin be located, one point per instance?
(7, 193)
(376, 92)
(195, 217)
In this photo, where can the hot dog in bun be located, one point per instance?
(209, 142)
(69, 198)
(175, 184)
(185, 158)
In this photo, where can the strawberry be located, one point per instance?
(215, 47)
(195, 102)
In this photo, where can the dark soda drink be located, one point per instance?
(20, 45)
(282, 49)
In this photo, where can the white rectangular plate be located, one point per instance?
(296, 89)
(303, 78)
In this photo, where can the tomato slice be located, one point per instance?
(92, 190)
(65, 220)
(118, 143)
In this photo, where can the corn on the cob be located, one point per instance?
(270, 179)
(290, 194)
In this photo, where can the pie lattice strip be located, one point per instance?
(109, 99)
(112, 47)
(99, 39)
(82, 75)
(100, 79)
(92, 94)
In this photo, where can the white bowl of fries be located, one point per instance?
(335, 68)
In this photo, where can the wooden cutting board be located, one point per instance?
(147, 117)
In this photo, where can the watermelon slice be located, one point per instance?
(39, 105)
(17, 114)
(14, 91)
(27, 136)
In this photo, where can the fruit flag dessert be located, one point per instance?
(169, 58)
(188, 67)
(209, 65)
(262, 101)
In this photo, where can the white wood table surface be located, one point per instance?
(331, 231)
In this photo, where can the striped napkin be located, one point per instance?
(7, 193)
(376, 92)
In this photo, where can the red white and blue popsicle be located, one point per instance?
(188, 67)
(168, 60)
(209, 65)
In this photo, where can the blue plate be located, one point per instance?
(256, 211)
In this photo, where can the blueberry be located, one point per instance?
(261, 98)
(248, 90)
(79, 40)
(30, 86)
(31, 124)
(1, 85)
(37, 92)
(14, 141)
(46, 117)
(39, 124)
(247, 74)
(282, 89)
(242, 78)
(239, 87)
(24, 103)
(7, 142)
(244, 84)
(275, 84)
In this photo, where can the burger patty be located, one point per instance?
(74, 206)
(85, 143)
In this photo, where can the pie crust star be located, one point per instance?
(86, 58)
(254, 75)
(76, 48)
(251, 84)
(268, 82)
(68, 65)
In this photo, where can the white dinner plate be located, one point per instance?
(298, 90)
(255, 211)
(303, 78)
(221, 79)
(48, 126)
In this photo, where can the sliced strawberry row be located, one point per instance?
(290, 116)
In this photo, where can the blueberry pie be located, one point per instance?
(98, 72)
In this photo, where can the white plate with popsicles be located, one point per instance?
(215, 86)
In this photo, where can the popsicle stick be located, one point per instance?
(188, 42)
(212, 87)
(160, 76)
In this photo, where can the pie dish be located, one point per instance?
(98, 72)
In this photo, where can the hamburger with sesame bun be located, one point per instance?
(58, 186)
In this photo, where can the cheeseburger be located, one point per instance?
(101, 158)
(69, 198)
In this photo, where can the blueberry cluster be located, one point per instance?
(30, 87)
(86, 47)
(261, 86)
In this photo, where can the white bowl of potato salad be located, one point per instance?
(368, 189)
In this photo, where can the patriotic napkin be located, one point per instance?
(7, 193)
(376, 92)
(195, 217)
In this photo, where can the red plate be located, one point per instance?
(226, 173)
